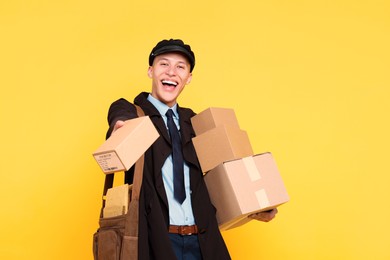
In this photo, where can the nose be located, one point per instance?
(171, 71)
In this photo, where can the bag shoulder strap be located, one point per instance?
(139, 167)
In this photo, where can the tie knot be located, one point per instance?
(169, 113)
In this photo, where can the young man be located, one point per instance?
(172, 225)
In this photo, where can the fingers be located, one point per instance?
(118, 125)
(265, 216)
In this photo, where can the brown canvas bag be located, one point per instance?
(117, 237)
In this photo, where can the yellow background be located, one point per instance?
(309, 81)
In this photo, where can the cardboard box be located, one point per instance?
(220, 144)
(213, 117)
(126, 145)
(245, 186)
(117, 201)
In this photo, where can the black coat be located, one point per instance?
(154, 242)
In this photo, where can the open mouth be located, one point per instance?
(169, 83)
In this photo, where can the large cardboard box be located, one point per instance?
(126, 145)
(245, 186)
(220, 144)
(213, 117)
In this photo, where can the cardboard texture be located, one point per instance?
(117, 201)
(124, 147)
(245, 186)
(220, 144)
(213, 117)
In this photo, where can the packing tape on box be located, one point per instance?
(251, 168)
(254, 175)
(262, 198)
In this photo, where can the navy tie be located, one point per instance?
(177, 157)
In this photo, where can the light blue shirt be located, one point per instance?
(179, 214)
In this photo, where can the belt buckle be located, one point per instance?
(182, 231)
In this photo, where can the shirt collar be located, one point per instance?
(161, 107)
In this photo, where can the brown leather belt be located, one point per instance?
(183, 230)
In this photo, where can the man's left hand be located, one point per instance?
(264, 216)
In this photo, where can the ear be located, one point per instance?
(189, 79)
(150, 72)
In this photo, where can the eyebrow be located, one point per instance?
(166, 59)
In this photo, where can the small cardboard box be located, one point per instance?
(126, 145)
(245, 186)
(213, 117)
(117, 201)
(220, 144)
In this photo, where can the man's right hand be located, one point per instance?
(118, 125)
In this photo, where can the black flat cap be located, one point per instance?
(173, 45)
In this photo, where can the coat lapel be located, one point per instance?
(187, 133)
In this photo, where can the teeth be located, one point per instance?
(169, 82)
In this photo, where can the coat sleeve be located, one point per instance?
(121, 109)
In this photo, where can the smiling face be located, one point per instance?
(170, 73)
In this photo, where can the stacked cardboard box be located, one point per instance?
(239, 183)
(245, 186)
(219, 138)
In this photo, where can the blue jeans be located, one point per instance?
(186, 247)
